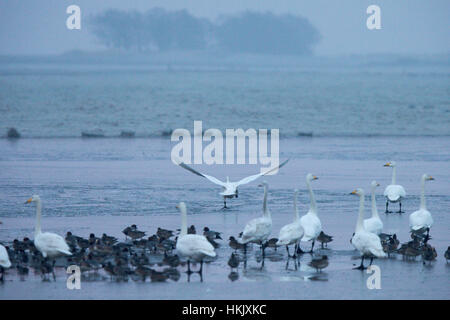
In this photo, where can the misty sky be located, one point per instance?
(412, 26)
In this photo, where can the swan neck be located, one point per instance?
(296, 214)
(37, 228)
(423, 204)
(374, 205)
(312, 207)
(183, 230)
(266, 211)
(360, 223)
(394, 175)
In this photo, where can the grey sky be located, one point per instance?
(412, 26)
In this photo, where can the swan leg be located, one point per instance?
(361, 266)
(201, 267)
(371, 259)
(387, 207)
(312, 246)
(189, 267)
(400, 209)
(299, 250)
(3, 272)
(225, 203)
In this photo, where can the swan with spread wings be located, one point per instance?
(230, 188)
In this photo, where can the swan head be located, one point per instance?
(311, 177)
(34, 198)
(263, 184)
(427, 177)
(182, 207)
(374, 184)
(358, 192)
(390, 164)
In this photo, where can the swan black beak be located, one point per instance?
(28, 201)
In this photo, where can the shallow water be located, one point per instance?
(64, 100)
(103, 185)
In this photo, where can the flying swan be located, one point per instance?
(230, 188)
(367, 243)
(394, 192)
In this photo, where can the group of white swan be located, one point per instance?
(366, 242)
(365, 238)
(305, 228)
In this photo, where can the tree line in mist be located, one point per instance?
(161, 30)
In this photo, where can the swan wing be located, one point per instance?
(420, 219)
(257, 229)
(374, 225)
(52, 242)
(192, 244)
(210, 178)
(368, 243)
(4, 258)
(290, 232)
(311, 226)
(394, 192)
(256, 176)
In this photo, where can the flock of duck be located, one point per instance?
(158, 256)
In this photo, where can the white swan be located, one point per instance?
(258, 230)
(4, 260)
(292, 232)
(310, 221)
(193, 246)
(374, 224)
(422, 217)
(49, 244)
(230, 189)
(394, 192)
(367, 243)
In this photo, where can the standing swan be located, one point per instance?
(4, 261)
(394, 192)
(49, 244)
(292, 232)
(422, 217)
(310, 221)
(193, 246)
(367, 243)
(374, 224)
(258, 230)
